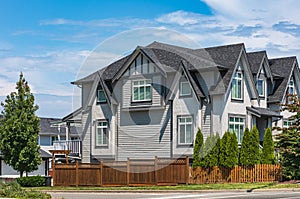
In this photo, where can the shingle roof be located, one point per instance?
(226, 57)
(263, 111)
(282, 67)
(47, 128)
(255, 59)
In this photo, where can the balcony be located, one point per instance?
(73, 145)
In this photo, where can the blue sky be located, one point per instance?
(54, 41)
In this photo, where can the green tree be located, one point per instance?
(287, 142)
(211, 150)
(250, 152)
(228, 150)
(198, 147)
(19, 130)
(268, 156)
(233, 156)
(215, 152)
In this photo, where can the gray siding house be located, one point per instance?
(151, 102)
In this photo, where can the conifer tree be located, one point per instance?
(19, 129)
(215, 152)
(198, 147)
(287, 142)
(228, 150)
(250, 153)
(268, 156)
(233, 156)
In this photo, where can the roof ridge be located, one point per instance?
(223, 46)
(287, 57)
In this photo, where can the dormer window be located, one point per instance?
(237, 86)
(101, 98)
(261, 87)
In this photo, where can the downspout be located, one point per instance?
(171, 129)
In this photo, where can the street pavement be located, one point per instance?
(268, 194)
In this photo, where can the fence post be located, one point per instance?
(128, 172)
(77, 174)
(187, 168)
(101, 174)
(155, 170)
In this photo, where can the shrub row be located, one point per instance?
(216, 151)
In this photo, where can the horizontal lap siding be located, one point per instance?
(143, 142)
(86, 137)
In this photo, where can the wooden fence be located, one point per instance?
(238, 174)
(127, 173)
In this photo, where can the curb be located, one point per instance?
(173, 191)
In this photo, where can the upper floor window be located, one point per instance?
(102, 133)
(185, 89)
(185, 129)
(290, 91)
(101, 95)
(291, 87)
(261, 87)
(287, 123)
(237, 86)
(237, 126)
(141, 90)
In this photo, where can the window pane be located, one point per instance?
(104, 136)
(135, 94)
(182, 134)
(148, 92)
(234, 89)
(101, 96)
(142, 94)
(231, 119)
(99, 136)
(185, 88)
(231, 128)
(188, 119)
(239, 89)
(189, 133)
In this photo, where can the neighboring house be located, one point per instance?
(151, 102)
(54, 134)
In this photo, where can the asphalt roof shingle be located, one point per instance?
(282, 68)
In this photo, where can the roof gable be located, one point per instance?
(259, 61)
(282, 69)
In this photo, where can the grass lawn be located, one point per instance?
(235, 186)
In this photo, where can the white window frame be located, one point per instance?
(236, 80)
(286, 123)
(189, 93)
(146, 84)
(100, 126)
(262, 86)
(237, 124)
(185, 124)
(99, 90)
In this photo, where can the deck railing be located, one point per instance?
(73, 145)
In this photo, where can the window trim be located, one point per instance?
(239, 123)
(192, 130)
(242, 85)
(107, 132)
(138, 86)
(181, 89)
